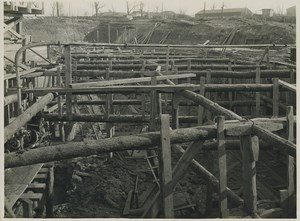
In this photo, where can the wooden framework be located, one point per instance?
(189, 80)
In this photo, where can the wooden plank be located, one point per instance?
(249, 175)
(165, 168)
(27, 208)
(290, 165)
(275, 97)
(153, 107)
(222, 167)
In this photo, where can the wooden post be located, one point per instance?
(291, 165)
(222, 167)
(257, 94)
(284, 204)
(97, 36)
(208, 81)
(27, 208)
(166, 168)
(175, 111)
(48, 51)
(249, 148)
(230, 81)
(275, 97)
(143, 95)
(200, 107)
(49, 193)
(68, 80)
(153, 103)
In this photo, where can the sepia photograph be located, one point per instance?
(141, 109)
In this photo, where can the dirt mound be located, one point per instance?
(197, 32)
(58, 28)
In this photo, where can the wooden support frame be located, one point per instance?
(166, 168)
(175, 111)
(49, 193)
(249, 148)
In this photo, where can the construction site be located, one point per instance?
(109, 117)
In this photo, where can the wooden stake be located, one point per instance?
(166, 168)
(222, 167)
(257, 96)
(208, 81)
(153, 102)
(249, 143)
(68, 80)
(49, 194)
(275, 97)
(290, 165)
(200, 107)
(175, 111)
(284, 204)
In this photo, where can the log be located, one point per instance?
(87, 148)
(148, 88)
(10, 99)
(288, 86)
(129, 81)
(26, 116)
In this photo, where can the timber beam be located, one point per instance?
(136, 142)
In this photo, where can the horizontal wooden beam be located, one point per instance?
(129, 81)
(133, 142)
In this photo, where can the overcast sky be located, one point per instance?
(190, 7)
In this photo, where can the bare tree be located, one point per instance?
(182, 11)
(130, 7)
(204, 7)
(53, 6)
(59, 7)
(98, 5)
(156, 8)
(222, 9)
(213, 7)
(141, 8)
(279, 10)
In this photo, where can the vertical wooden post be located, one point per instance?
(68, 80)
(200, 107)
(27, 208)
(153, 103)
(290, 165)
(49, 193)
(97, 36)
(230, 81)
(284, 204)
(257, 94)
(143, 95)
(175, 111)
(7, 107)
(208, 81)
(166, 168)
(249, 149)
(24, 42)
(268, 57)
(222, 167)
(275, 97)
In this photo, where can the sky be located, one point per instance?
(190, 7)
